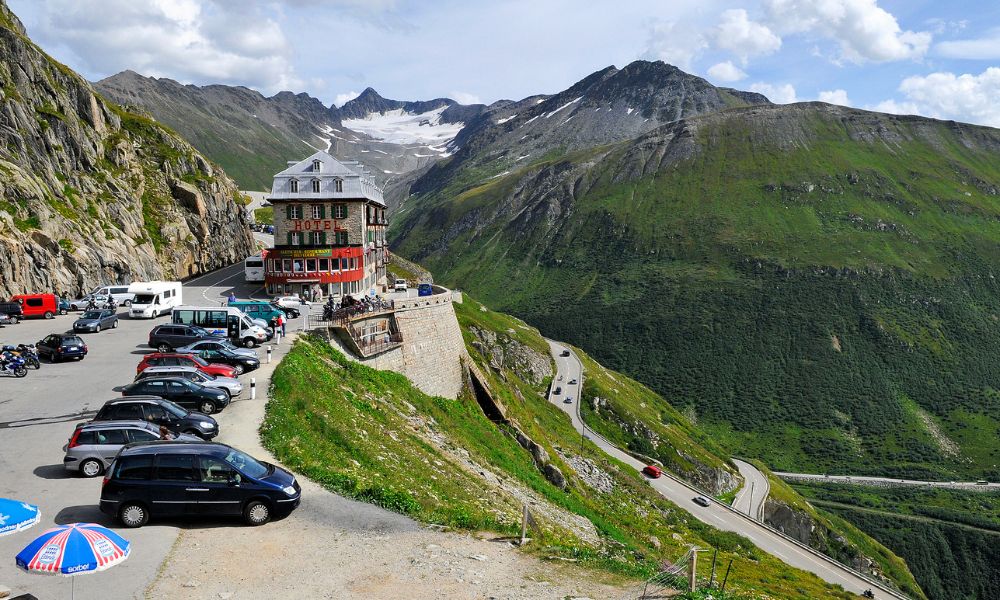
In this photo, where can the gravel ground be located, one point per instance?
(333, 547)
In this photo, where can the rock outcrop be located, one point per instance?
(504, 352)
(92, 193)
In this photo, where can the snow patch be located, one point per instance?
(549, 114)
(531, 119)
(500, 174)
(539, 101)
(629, 111)
(521, 157)
(400, 127)
(505, 119)
(567, 120)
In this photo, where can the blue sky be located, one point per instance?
(938, 59)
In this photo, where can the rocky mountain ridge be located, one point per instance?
(95, 194)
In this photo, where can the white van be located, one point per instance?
(154, 298)
(223, 321)
(121, 294)
(400, 285)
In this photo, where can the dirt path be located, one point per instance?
(332, 547)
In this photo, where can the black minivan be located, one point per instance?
(171, 479)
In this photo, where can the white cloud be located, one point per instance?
(194, 41)
(674, 44)
(984, 48)
(966, 97)
(342, 99)
(864, 31)
(779, 94)
(465, 98)
(835, 97)
(726, 72)
(743, 37)
(896, 108)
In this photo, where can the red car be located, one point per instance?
(652, 471)
(165, 359)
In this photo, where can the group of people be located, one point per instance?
(350, 305)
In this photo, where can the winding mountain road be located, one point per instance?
(888, 481)
(716, 514)
(750, 499)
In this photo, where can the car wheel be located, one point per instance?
(256, 513)
(238, 370)
(62, 311)
(15, 320)
(97, 329)
(207, 407)
(127, 303)
(114, 325)
(48, 314)
(133, 514)
(163, 348)
(91, 468)
(249, 343)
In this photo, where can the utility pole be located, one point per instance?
(711, 580)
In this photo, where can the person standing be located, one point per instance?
(231, 298)
(281, 323)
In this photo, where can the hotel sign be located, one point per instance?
(315, 225)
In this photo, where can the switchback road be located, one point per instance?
(716, 514)
(967, 486)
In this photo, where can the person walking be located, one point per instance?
(231, 298)
(281, 323)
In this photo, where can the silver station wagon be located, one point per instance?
(94, 445)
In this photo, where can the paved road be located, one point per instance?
(888, 481)
(750, 499)
(716, 514)
(37, 415)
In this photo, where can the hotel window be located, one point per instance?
(317, 238)
(293, 211)
(339, 211)
(294, 238)
(286, 265)
(317, 166)
(315, 183)
(293, 186)
(324, 265)
(318, 211)
(343, 264)
(340, 238)
(311, 265)
(297, 264)
(338, 185)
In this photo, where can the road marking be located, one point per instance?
(216, 284)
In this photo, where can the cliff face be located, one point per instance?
(93, 194)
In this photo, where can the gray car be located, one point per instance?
(96, 320)
(81, 303)
(94, 445)
(230, 385)
(215, 344)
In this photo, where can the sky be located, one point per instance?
(938, 59)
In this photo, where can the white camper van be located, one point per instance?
(154, 298)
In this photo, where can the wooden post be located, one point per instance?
(524, 523)
(711, 580)
(693, 576)
(726, 578)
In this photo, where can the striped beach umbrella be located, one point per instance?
(74, 549)
(16, 516)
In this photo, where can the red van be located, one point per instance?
(38, 305)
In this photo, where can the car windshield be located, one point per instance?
(174, 410)
(201, 362)
(246, 464)
(91, 314)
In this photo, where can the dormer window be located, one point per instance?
(315, 184)
(338, 185)
(293, 186)
(317, 165)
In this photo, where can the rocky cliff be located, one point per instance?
(92, 193)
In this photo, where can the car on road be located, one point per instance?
(93, 446)
(425, 289)
(168, 359)
(62, 304)
(572, 382)
(210, 344)
(61, 346)
(37, 305)
(399, 285)
(95, 321)
(557, 391)
(174, 335)
(568, 400)
(158, 411)
(289, 302)
(180, 391)
(230, 385)
(291, 312)
(240, 363)
(13, 311)
(701, 501)
(160, 479)
(6, 319)
(564, 353)
(100, 301)
(652, 471)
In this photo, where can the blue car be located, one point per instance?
(425, 289)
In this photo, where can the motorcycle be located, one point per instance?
(29, 354)
(868, 594)
(12, 364)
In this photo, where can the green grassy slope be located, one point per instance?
(815, 283)
(371, 435)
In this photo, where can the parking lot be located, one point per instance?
(39, 412)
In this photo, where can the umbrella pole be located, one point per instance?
(72, 588)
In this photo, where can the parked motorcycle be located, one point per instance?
(29, 354)
(12, 364)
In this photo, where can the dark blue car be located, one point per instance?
(425, 289)
(173, 479)
(61, 346)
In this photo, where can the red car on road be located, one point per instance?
(652, 471)
(170, 359)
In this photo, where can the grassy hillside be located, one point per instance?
(949, 538)
(814, 285)
(371, 435)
